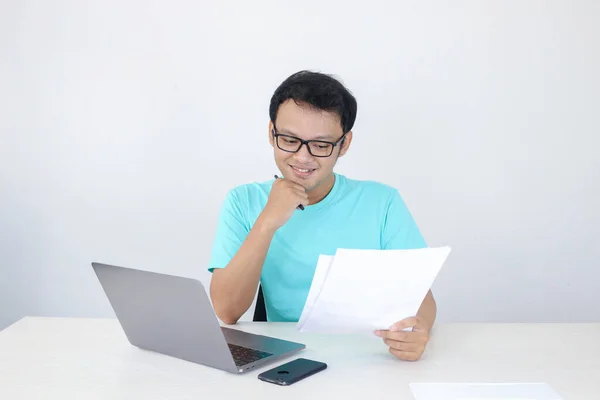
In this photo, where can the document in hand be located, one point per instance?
(358, 290)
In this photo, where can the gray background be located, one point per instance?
(123, 125)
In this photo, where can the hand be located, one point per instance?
(284, 198)
(406, 345)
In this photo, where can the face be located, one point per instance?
(315, 174)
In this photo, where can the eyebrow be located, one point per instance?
(320, 137)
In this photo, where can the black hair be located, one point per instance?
(318, 90)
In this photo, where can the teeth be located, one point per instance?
(301, 170)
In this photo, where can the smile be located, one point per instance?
(303, 172)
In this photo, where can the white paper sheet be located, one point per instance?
(321, 271)
(483, 391)
(364, 290)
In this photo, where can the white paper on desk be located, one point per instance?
(366, 290)
(483, 391)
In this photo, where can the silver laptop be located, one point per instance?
(172, 315)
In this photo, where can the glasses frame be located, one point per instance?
(333, 145)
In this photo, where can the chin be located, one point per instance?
(306, 184)
(310, 185)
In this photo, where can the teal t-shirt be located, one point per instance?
(355, 215)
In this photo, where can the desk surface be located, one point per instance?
(64, 358)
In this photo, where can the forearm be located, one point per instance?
(232, 288)
(428, 310)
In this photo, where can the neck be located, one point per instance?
(322, 190)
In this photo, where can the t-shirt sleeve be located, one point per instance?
(400, 231)
(231, 232)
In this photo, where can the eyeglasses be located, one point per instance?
(316, 148)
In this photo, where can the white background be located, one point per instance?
(124, 123)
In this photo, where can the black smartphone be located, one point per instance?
(292, 372)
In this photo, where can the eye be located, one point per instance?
(289, 140)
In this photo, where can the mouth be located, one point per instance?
(302, 172)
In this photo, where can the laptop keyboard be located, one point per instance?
(243, 355)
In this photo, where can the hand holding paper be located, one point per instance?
(367, 290)
(406, 339)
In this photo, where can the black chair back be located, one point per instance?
(260, 311)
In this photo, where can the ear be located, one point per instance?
(345, 145)
(271, 139)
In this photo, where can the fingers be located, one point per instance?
(403, 336)
(403, 346)
(406, 345)
(406, 355)
(298, 186)
(411, 322)
(301, 193)
(294, 192)
(302, 197)
(290, 184)
(295, 188)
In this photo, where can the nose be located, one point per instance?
(303, 154)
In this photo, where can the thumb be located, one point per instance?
(406, 324)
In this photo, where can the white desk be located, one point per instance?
(62, 358)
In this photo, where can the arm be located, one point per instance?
(232, 289)
(427, 311)
(239, 251)
(401, 232)
(410, 345)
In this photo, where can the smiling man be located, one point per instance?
(263, 236)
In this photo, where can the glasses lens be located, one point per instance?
(287, 143)
(321, 149)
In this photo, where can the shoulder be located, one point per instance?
(248, 196)
(375, 196)
(371, 189)
(251, 189)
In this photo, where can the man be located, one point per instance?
(264, 235)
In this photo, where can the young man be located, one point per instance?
(263, 234)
